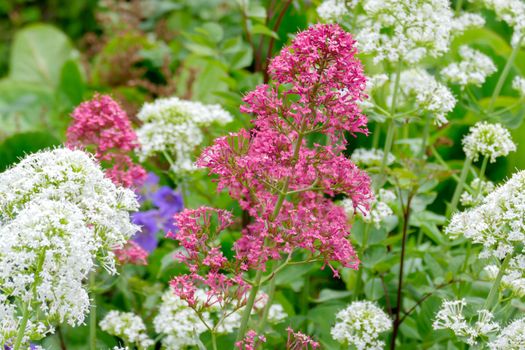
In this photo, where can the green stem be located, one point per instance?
(459, 3)
(249, 305)
(377, 133)
(391, 126)
(459, 186)
(494, 290)
(266, 310)
(214, 340)
(22, 329)
(504, 74)
(424, 141)
(359, 277)
(93, 313)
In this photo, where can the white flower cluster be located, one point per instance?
(498, 222)
(429, 94)
(477, 191)
(488, 140)
(518, 84)
(405, 31)
(513, 13)
(58, 212)
(370, 157)
(450, 316)
(510, 337)
(514, 276)
(179, 323)
(175, 126)
(379, 208)
(128, 327)
(360, 325)
(182, 327)
(473, 68)
(466, 21)
(334, 10)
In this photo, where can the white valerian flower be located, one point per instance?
(58, 213)
(450, 316)
(370, 157)
(497, 223)
(518, 84)
(510, 337)
(174, 126)
(428, 93)
(513, 13)
(276, 314)
(473, 68)
(466, 21)
(488, 140)
(379, 208)
(477, 191)
(360, 325)
(334, 10)
(179, 323)
(128, 327)
(513, 278)
(406, 31)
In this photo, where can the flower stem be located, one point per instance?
(214, 340)
(360, 253)
(494, 290)
(459, 187)
(266, 310)
(504, 74)
(249, 305)
(93, 313)
(22, 329)
(399, 303)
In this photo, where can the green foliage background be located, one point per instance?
(56, 53)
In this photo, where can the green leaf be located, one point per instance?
(374, 289)
(264, 30)
(38, 54)
(19, 145)
(330, 294)
(72, 82)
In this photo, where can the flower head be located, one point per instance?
(175, 126)
(450, 316)
(473, 68)
(406, 31)
(518, 84)
(128, 327)
(510, 337)
(428, 93)
(102, 127)
(497, 223)
(360, 325)
(488, 140)
(58, 212)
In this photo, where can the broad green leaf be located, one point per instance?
(38, 54)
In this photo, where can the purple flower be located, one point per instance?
(151, 184)
(149, 222)
(168, 200)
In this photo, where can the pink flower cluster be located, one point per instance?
(198, 232)
(132, 253)
(101, 127)
(251, 341)
(283, 181)
(300, 341)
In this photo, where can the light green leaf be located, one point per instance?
(38, 54)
